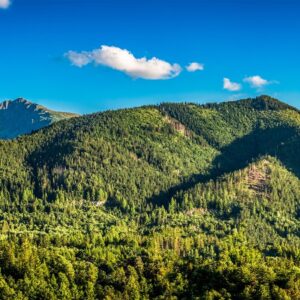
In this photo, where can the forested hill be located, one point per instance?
(175, 201)
(21, 116)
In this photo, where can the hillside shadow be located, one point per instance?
(282, 142)
(49, 156)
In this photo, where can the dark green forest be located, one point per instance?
(174, 201)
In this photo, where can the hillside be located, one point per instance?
(21, 117)
(176, 201)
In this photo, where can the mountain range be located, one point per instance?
(170, 201)
(20, 116)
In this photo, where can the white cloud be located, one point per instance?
(256, 81)
(124, 61)
(79, 59)
(231, 86)
(194, 66)
(4, 4)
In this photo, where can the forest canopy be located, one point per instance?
(175, 201)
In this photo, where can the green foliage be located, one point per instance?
(179, 201)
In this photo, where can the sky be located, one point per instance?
(91, 55)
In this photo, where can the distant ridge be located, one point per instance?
(21, 116)
(263, 102)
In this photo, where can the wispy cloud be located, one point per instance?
(194, 66)
(124, 61)
(4, 4)
(231, 86)
(256, 81)
(79, 59)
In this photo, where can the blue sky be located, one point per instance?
(249, 47)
